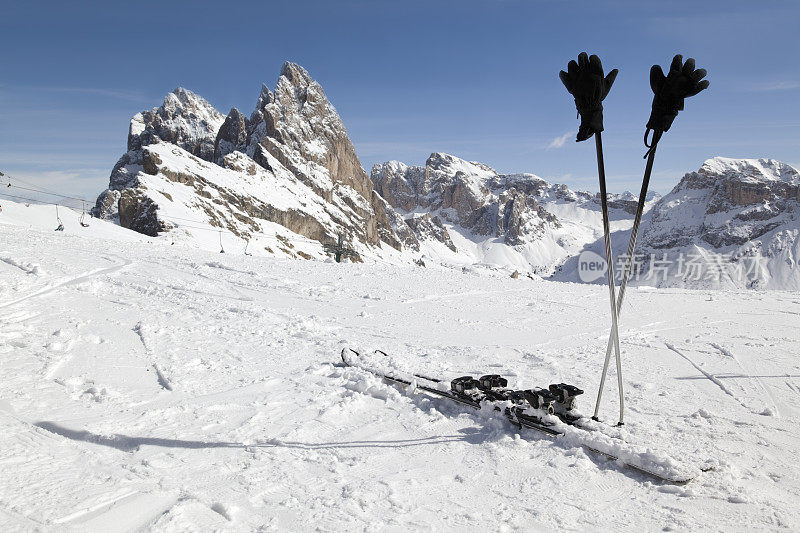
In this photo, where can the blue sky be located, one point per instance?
(478, 79)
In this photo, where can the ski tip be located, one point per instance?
(345, 352)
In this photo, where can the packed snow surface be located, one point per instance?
(146, 386)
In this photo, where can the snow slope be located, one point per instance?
(146, 386)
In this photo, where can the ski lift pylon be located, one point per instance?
(83, 216)
(58, 218)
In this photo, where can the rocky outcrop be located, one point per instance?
(430, 227)
(232, 135)
(625, 204)
(299, 127)
(522, 216)
(138, 212)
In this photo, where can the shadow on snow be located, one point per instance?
(127, 443)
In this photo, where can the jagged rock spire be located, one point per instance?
(232, 134)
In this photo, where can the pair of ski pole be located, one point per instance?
(586, 82)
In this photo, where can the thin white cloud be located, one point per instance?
(130, 96)
(774, 86)
(558, 142)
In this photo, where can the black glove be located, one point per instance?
(681, 82)
(584, 80)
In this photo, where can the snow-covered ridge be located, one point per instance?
(726, 202)
(744, 213)
(735, 219)
(755, 170)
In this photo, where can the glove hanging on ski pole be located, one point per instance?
(585, 81)
(681, 82)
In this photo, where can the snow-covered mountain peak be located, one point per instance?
(393, 165)
(303, 110)
(751, 170)
(184, 119)
(187, 101)
(452, 165)
(516, 220)
(652, 195)
(294, 139)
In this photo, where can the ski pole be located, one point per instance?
(613, 338)
(584, 80)
(611, 284)
(669, 92)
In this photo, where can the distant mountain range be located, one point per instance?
(286, 181)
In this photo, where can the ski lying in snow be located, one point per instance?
(550, 411)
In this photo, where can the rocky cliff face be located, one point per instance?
(726, 202)
(293, 138)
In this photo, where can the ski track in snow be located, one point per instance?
(177, 389)
(711, 377)
(162, 380)
(73, 280)
(765, 389)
